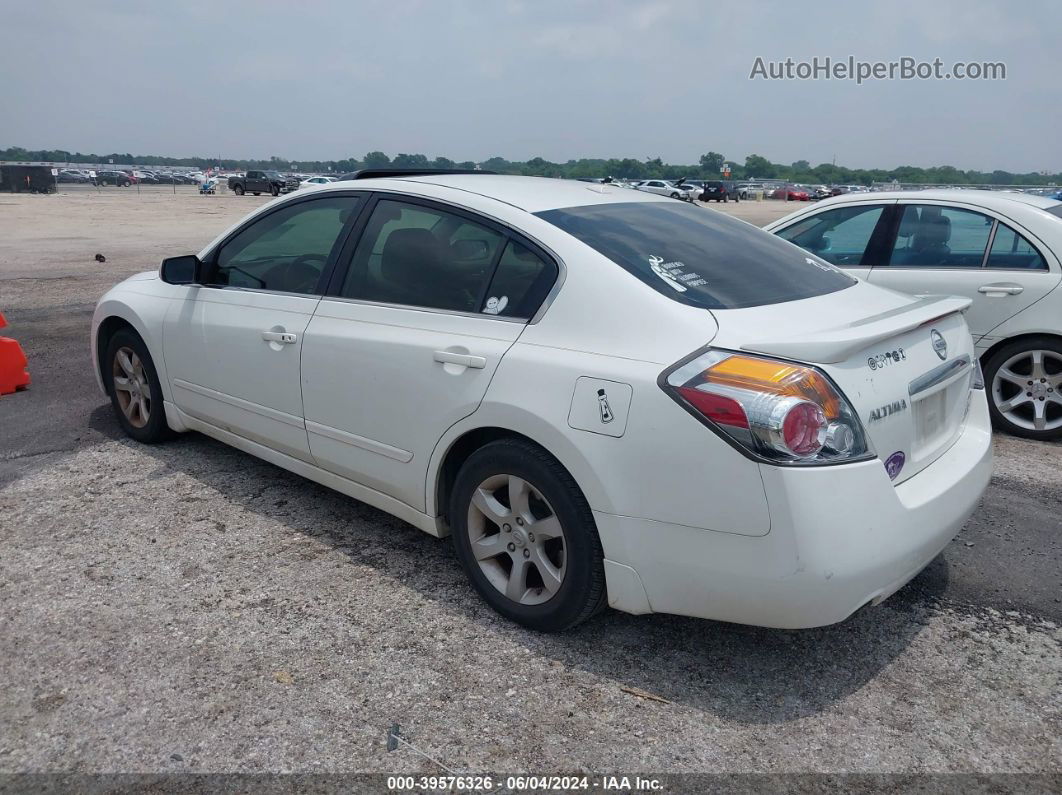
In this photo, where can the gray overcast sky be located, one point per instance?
(469, 79)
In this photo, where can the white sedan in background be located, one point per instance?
(316, 182)
(606, 398)
(1000, 250)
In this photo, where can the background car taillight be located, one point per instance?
(781, 411)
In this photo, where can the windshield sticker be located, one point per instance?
(675, 274)
(496, 306)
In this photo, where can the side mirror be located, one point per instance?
(181, 270)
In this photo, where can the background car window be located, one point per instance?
(700, 258)
(418, 256)
(1011, 250)
(520, 284)
(286, 250)
(840, 236)
(930, 236)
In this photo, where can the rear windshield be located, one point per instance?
(699, 257)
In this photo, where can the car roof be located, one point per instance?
(997, 200)
(533, 194)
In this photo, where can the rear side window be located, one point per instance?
(699, 257)
(520, 284)
(1012, 251)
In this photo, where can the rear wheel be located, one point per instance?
(238, 190)
(526, 538)
(1023, 381)
(133, 384)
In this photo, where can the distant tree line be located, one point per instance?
(708, 167)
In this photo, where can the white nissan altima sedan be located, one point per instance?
(605, 397)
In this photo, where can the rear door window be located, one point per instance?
(933, 236)
(698, 257)
(416, 255)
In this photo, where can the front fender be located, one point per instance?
(146, 313)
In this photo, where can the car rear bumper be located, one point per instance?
(841, 537)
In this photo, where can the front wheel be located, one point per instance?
(274, 190)
(1023, 381)
(133, 384)
(526, 538)
(674, 195)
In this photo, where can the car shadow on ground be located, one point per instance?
(745, 674)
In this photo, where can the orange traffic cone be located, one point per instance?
(13, 373)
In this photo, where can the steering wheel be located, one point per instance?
(302, 276)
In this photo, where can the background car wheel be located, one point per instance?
(674, 195)
(275, 191)
(133, 385)
(526, 538)
(238, 190)
(1023, 380)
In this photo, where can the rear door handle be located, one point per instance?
(1001, 289)
(285, 337)
(463, 359)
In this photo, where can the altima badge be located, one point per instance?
(940, 345)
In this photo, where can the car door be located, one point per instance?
(851, 236)
(232, 344)
(946, 249)
(409, 335)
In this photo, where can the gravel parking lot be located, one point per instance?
(189, 608)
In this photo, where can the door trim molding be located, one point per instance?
(373, 446)
(240, 403)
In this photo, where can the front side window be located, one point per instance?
(698, 257)
(416, 255)
(286, 250)
(840, 235)
(1012, 251)
(932, 236)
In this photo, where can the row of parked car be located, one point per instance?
(124, 179)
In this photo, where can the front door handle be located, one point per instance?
(284, 337)
(463, 359)
(1000, 289)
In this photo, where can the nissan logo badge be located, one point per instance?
(940, 345)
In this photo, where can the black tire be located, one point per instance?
(238, 190)
(274, 190)
(257, 193)
(726, 200)
(582, 591)
(1008, 390)
(674, 195)
(155, 430)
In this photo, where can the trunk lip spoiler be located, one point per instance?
(834, 345)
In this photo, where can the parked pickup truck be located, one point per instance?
(259, 182)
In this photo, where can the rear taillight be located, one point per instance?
(780, 411)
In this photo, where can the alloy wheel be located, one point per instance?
(517, 539)
(131, 387)
(1025, 390)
